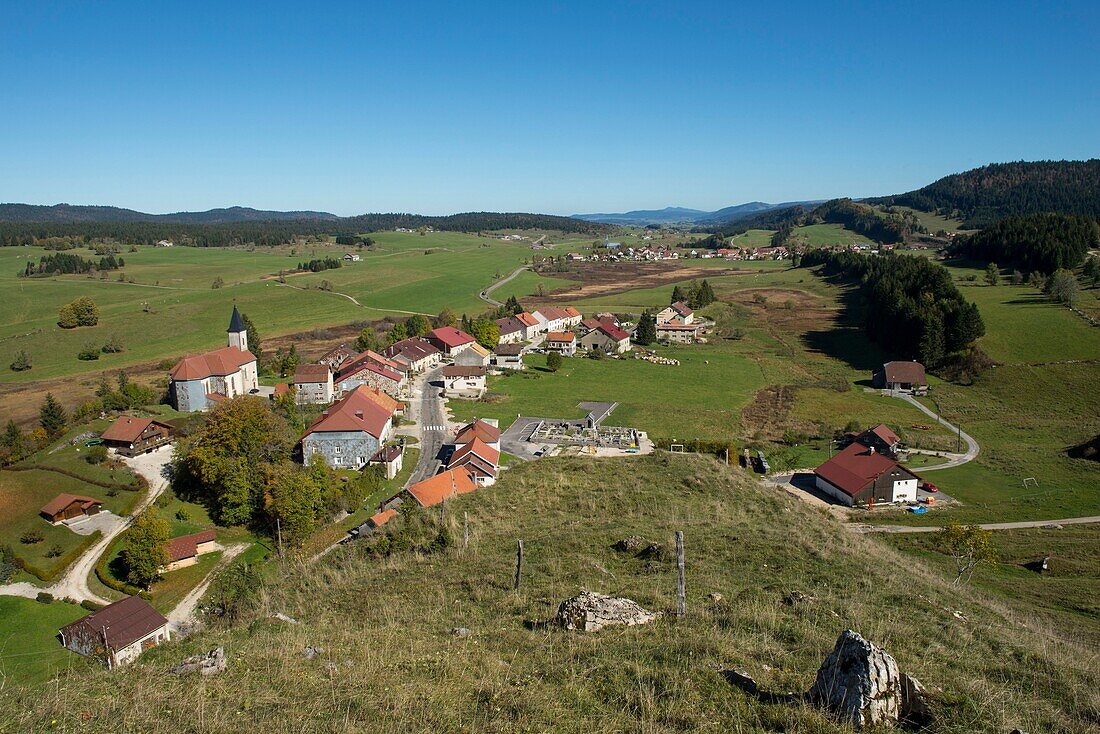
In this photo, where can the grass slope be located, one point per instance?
(384, 625)
(29, 650)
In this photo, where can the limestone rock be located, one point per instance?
(460, 632)
(590, 612)
(211, 663)
(860, 682)
(744, 681)
(715, 598)
(630, 544)
(312, 652)
(914, 701)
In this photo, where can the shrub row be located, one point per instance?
(61, 563)
(139, 481)
(104, 574)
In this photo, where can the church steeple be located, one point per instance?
(238, 334)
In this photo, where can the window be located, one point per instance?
(336, 449)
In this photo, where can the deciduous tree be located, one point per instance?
(969, 545)
(146, 550)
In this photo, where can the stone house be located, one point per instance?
(349, 433)
(415, 355)
(450, 340)
(677, 313)
(508, 357)
(373, 370)
(610, 339)
(118, 633)
(314, 384)
(463, 382)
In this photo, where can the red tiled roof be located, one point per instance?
(413, 349)
(884, 432)
(910, 372)
(362, 365)
(682, 308)
(386, 454)
(121, 623)
(381, 518)
(487, 432)
(510, 325)
(442, 487)
(527, 318)
(552, 313)
(63, 500)
(614, 332)
(224, 361)
(560, 336)
(450, 336)
(311, 373)
(186, 546)
(353, 412)
(466, 453)
(281, 388)
(571, 312)
(854, 468)
(128, 428)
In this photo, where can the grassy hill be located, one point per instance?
(390, 663)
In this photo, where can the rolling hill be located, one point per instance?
(983, 195)
(70, 213)
(681, 215)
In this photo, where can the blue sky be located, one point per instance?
(552, 107)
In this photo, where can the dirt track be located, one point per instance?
(608, 279)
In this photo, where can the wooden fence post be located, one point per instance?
(519, 564)
(681, 583)
(465, 530)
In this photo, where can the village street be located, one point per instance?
(73, 584)
(431, 418)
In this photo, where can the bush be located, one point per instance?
(90, 605)
(44, 597)
(55, 551)
(31, 537)
(22, 362)
(183, 515)
(89, 353)
(553, 361)
(81, 312)
(96, 455)
(113, 345)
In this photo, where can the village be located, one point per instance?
(369, 405)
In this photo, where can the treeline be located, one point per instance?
(66, 263)
(269, 233)
(983, 195)
(1040, 243)
(910, 305)
(882, 227)
(317, 265)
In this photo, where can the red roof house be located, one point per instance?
(442, 487)
(449, 340)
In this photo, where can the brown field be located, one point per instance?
(608, 279)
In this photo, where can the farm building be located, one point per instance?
(371, 369)
(677, 313)
(463, 382)
(336, 356)
(313, 383)
(118, 633)
(508, 357)
(473, 356)
(610, 339)
(131, 436)
(673, 333)
(442, 487)
(349, 433)
(185, 550)
(904, 376)
(415, 355)
(563, 342)
(200, 381)
(390, 459)
(479, 458)
(380, 518)
(68, 506)
(450, 340)
(861, 474)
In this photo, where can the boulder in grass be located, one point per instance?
(591, 612)
(859, 682)
(209, 664)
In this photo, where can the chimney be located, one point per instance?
(358, 414)
(872, 450)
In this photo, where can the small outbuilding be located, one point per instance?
(390, 459)
(69, 506)
(185, 550)
(903, 376)
(118, 633)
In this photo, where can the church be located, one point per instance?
(200, 381)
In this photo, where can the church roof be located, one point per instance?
(236, 323)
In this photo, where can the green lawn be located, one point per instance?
(174, 585)
(753, 238)
(29, 649)
(830, 234)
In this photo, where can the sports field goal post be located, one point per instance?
(676, 448)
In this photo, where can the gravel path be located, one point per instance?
(972, 448)
(182, 618)
(485, 294)
(984, 526)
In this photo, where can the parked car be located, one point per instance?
(929, 487)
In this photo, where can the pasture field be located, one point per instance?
(171, 309)
(830, 234)
(753, 238)
(934, 222)
(29, 650)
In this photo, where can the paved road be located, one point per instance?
(486, 296)
(73, 584)
(430, 416)
(984, 526)
(182, 617)
(956, 459)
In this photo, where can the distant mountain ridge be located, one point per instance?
(683, 215)
(71, 213)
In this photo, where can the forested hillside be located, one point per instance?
(1035, 242)
(983, 195)
(911, 307)
(276, 232)
(884, 228)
